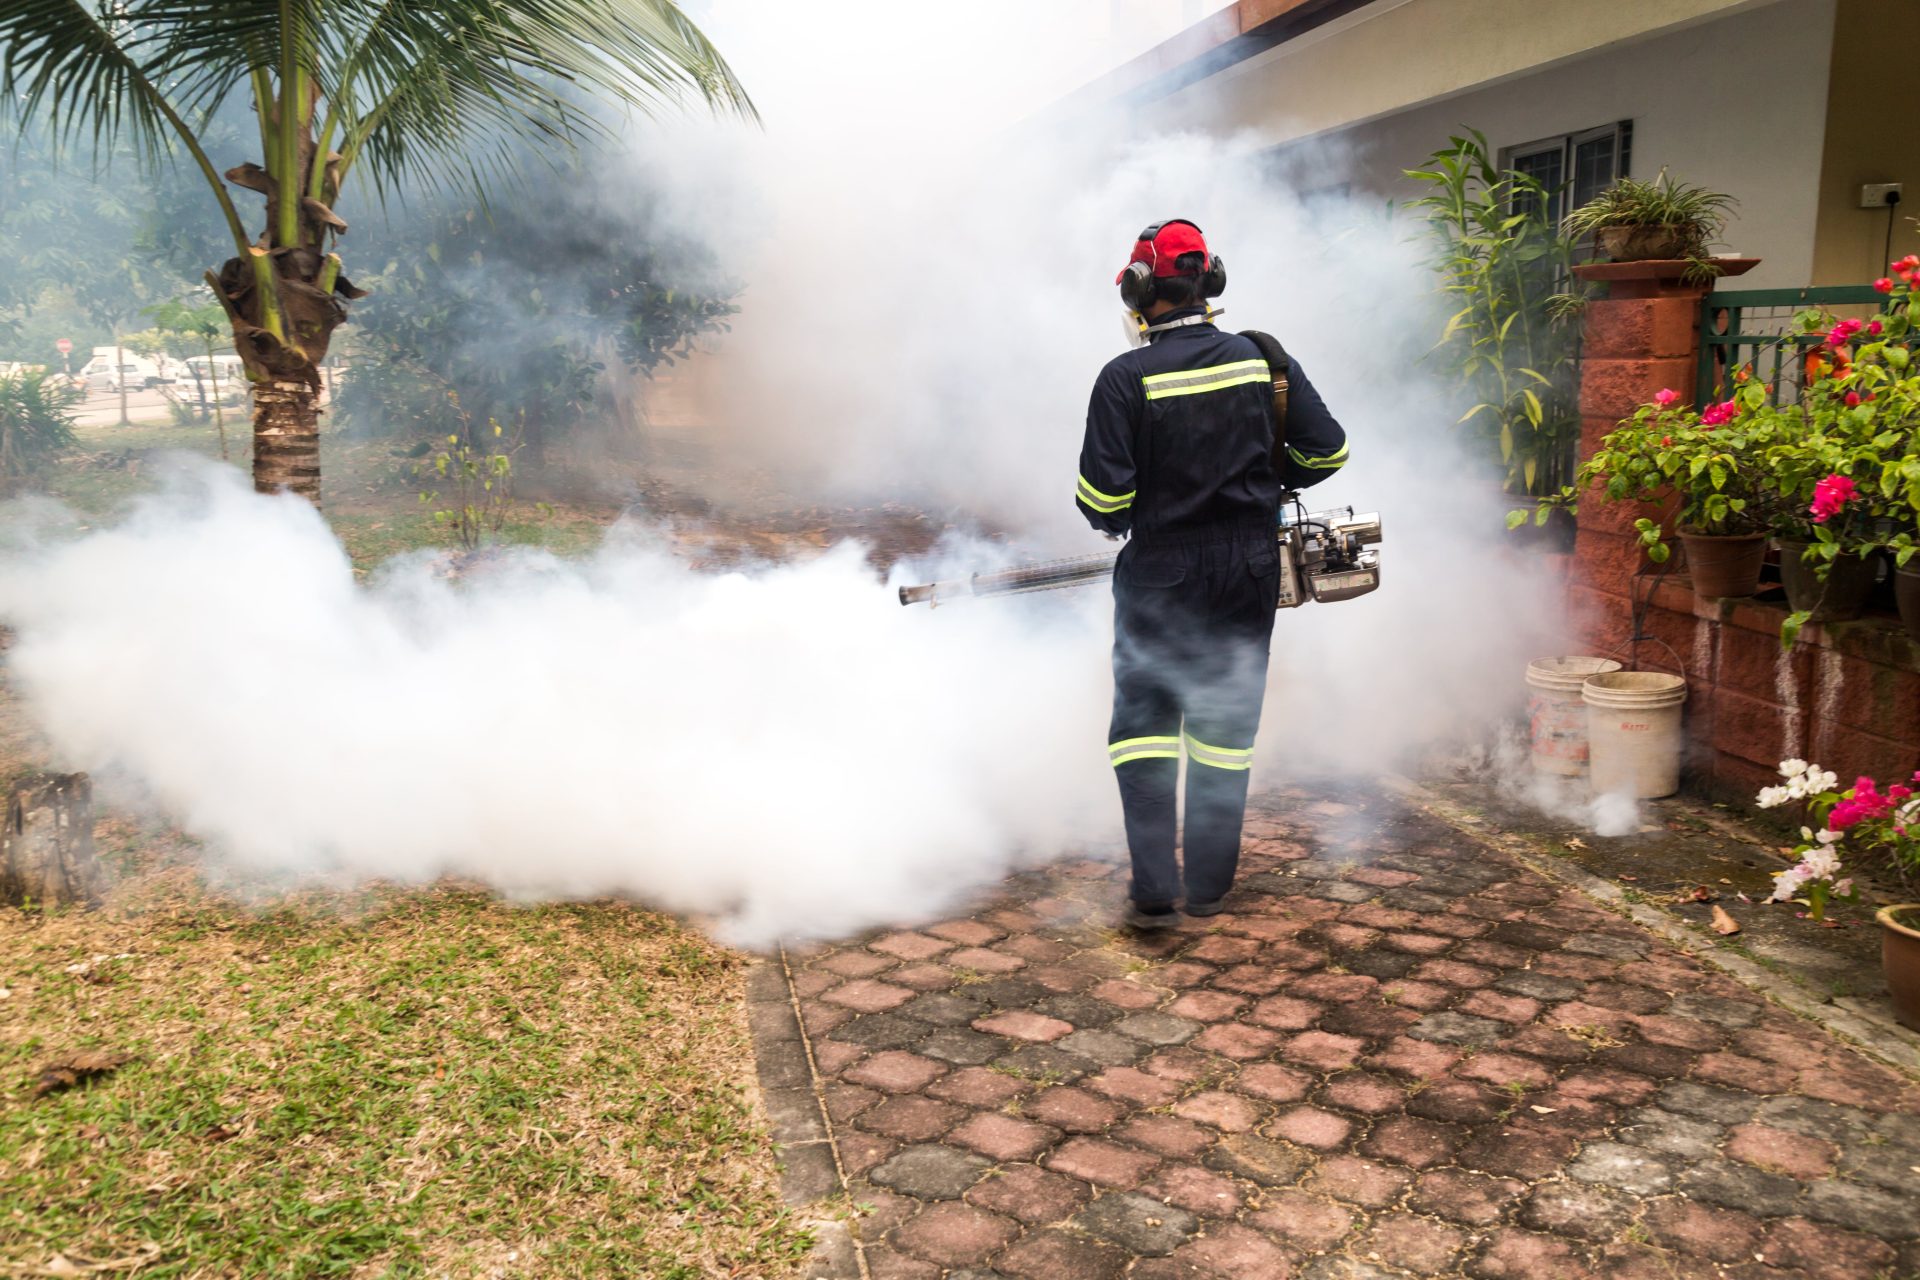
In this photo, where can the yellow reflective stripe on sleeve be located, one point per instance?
(1219, 757)
(1104, 502)
(1331, 462)
(1143, 749)
(1188, 382)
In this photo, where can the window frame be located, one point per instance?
(1620, 131)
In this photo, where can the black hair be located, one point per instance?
(1181, 291)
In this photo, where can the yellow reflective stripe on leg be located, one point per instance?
(1188, 382)
(1331, 462)
(1219, 757)
(1104, 502)
(1143, 749)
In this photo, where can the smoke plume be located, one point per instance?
(782, 748)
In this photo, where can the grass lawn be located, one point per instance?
(384, 1083)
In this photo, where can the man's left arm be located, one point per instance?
(1315, 442)
(1108, 480)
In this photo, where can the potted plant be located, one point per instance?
(1847, 461)
(1711, 466)
(1826, 529)
(1861, 818)
(1662, 220)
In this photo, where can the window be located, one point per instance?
(1574, 167)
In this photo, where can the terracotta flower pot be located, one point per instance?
(1724, 564)
(1900, 958)
(1841, 597)
(1906, 596)
(1644, 244)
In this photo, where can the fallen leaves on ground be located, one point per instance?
(73, 1068)
(1724, 923)
(62, 1265)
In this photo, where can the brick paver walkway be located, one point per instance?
(1401, 1054)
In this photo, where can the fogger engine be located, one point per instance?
(1324, 556)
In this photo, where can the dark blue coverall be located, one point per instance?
(1179, 456)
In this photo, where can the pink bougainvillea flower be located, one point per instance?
(1883, 284)
(1830, 498)
(1665, 396)
(1874, 328)
(1715, 414)
(1853, 399)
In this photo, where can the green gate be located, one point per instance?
(1755, 329)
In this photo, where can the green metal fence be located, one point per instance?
(1754, 328)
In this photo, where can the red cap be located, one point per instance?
(1164, 249)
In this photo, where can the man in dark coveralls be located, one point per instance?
(1180, 458)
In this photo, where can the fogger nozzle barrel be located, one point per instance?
(1007, 582)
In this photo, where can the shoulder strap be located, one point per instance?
(1281, 366)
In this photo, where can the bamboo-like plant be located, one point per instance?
(1513, 343)
(435, 91)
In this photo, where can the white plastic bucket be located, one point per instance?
(1556, 716)
(1633, 731)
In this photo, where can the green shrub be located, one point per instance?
(36, 425)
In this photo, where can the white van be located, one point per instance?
(223, 375)
(134, 371)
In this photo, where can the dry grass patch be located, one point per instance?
(409, 1083)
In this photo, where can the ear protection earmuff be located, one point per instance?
(1137, 288)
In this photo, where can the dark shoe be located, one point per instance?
(1213, 908)
(1138, 917)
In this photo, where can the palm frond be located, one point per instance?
(435, 90)
(82, 68)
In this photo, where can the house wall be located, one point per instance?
(1393, 54)
(1694, 111)
(1689, 90)
(1867, 141)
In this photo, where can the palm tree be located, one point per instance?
(433, 91)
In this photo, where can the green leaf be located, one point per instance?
(1790, 629)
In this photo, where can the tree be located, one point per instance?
(434, 90)
(188, 329)
(520, 312)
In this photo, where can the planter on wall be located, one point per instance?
(1906, 596)
(1900, 958)
(1645, 244)
(1724, 564)
(1842, 597)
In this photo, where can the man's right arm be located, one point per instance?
(1108, 481)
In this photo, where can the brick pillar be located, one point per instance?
(1642, 337)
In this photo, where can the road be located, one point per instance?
(102, 408)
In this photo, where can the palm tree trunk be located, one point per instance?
(286, 438)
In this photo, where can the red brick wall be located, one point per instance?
(1847, 695)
